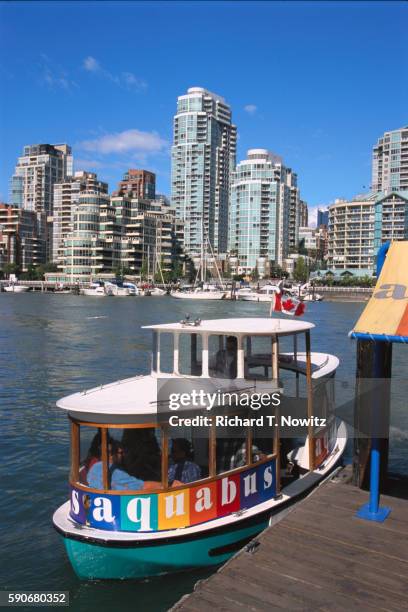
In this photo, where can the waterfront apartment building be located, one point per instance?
(66, 198)
(390, 162)
(259, 211)
(358, 227)
(20, 242)
(36, 172)
(203, 158)
(84, 252)
(138, 184)
(314, 241)
(122, 232)
(307, 238)
(32, 184)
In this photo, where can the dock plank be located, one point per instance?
(318, 557)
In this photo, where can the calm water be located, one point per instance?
(53, 345)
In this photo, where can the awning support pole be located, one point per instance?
(372, 511)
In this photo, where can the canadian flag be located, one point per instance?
(287, 305)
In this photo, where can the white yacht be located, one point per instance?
(94, 290)
(264, 294)
(206, 292)
(13, 288)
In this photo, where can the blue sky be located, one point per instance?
(317, 83)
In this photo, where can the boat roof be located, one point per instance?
(241, 326)
(136, 399)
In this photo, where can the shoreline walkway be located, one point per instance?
(318, 557)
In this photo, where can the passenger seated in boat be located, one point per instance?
(93, 456)
(120, 480)
(239, 459)
(183, 467)
(226, 359)
(143, 455)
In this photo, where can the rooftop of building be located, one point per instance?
(206, 92)
(369, 198)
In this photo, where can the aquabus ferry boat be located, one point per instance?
(147, 498)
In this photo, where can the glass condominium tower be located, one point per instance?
(260, 210)
(203, 158)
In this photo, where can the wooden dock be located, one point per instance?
(319, 557)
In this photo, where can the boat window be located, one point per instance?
(262, 437)
(188, 456)
(190, 354)
(258, 357)
(223, 355)
(166, 353)
(231, 452)
(134, 456)
(90, 451)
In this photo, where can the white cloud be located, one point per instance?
(127, 80)
(136, 141)
(250, 109)
(91, 64)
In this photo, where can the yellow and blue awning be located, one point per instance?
(385, 317)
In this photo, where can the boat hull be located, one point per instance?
(93, 561)
(205, 295)
(16, 289)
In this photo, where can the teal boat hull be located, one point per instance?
(95, 561)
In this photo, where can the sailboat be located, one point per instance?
(204, 290)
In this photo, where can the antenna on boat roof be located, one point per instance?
(188, 321)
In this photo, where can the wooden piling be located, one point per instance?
(368, 369)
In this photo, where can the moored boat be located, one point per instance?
(94, 290)
(264, 294)
(205, 293)
(14, 288)
(147, 514)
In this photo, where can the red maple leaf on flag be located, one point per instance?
(288, 304)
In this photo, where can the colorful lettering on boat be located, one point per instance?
(175, 509)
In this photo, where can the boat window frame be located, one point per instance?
(76, 425)
(198, 334)
(274, 338)
(240, 352)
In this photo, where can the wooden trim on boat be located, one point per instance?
(212, 454)
(276, 452)
(165, 458)
(117, 425)
(249, 445)
(75, 446)
(105, 458)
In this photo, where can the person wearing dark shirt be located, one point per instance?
(182, 467)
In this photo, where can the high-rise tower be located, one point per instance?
(32, 185)
(203, 158)
(390, 162)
